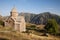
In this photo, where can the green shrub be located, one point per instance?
(52, 26)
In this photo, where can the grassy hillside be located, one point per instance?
(6, 33)
(24, 36)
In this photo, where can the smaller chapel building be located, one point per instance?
(15, 21)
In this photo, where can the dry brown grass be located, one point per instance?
(24, 36)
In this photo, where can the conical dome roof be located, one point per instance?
(14, 9)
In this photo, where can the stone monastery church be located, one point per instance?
(15, 21)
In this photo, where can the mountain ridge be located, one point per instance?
(40, 18)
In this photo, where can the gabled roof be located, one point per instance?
(9, 18)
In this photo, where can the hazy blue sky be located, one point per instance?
(33, 6)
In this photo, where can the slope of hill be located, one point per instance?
(43, 17)
(40, 18)
(23, 36)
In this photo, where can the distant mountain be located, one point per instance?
(28, 16)
(43, 17)
(40, 18)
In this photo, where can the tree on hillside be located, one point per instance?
(51, 26)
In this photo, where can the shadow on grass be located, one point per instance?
(4, 39)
